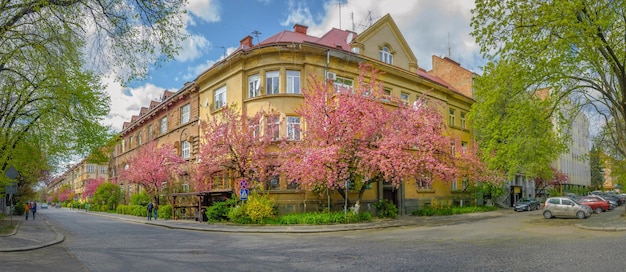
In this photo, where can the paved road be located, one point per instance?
(508, 241)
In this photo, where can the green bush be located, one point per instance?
(18, 209)
(386, 209)
(218, 212)
(452, 210)
(257, 210)
(141, 199)
(164, 212)
(323, 218)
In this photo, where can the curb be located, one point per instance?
(59, 238)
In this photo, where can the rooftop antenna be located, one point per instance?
(340, 3)
(352, 18)
(449, 48)
(256, 34)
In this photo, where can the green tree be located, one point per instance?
(597, 168)
(512, 122)
(52, 56)
(107, 195)
(577, 48)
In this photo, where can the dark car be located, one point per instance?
(526, 204)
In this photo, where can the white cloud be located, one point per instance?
(126, 102)
(192, 48)
(207, 10)
(299, 13)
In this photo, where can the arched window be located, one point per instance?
(385, 55)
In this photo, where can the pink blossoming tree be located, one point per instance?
(91, 186)
(152, 166)
(362, 136)
(234, 146)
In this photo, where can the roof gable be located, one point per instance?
(385, 32)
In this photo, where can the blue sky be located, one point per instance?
(215, 27)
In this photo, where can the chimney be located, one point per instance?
(300, 28)
(246, 42)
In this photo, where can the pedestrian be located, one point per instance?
(156, 211)
(26, 209)
(150, 207)
(33, 209)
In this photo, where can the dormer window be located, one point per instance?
(385, 55)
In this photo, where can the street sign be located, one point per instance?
(243, 194)
(11, 189)
(11, 173)
(243, 184)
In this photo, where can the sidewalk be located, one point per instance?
(34, 234)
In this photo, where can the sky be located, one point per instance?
(215, 28)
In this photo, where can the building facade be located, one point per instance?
(76, 177)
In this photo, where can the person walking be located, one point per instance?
(33, 209)
(150, 207)
(156, 211)
(26, 209)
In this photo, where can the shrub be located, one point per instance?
(218, 211)
(323, 218)
(430, 211)
(257, 210)
(141, 199)
(165, 211)
(386, 209)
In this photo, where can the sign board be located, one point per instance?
(11, 173)
(11, 189)
(243, 184)
(243, 194)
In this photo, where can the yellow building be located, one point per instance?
(76, 178)
(274, 71)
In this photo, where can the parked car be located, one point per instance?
(565, 207)
(44, 205)
(596, 203)
(526, 204)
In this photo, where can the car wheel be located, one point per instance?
(547, 214)
(598, 210)
(580, 215)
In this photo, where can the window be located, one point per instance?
(271, 82)
(453, 149)
(139, 137)
(273, 128)
(254, 127)
(293, 185)
(343, 84)
(163, 129)
(454, 185)
(123, 146)
(385, 55)
(185, 113)
(423, 185)
(273, 183)
(451, 121)
(186, 187)
(293, 128)
(254, 86)
(293, 82)
(219, 98)
(405, 98)
(186, 149)
(103, 169)
(463, 147)
(463, 120)
(91, 168)
(150, 131)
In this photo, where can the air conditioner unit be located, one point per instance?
(331, 76)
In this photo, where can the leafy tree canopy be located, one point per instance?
(52, 55)
(577, 48)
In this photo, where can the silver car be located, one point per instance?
(565, 207)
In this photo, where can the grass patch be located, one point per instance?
(6, 227)
(322, 218)
(453, 210)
